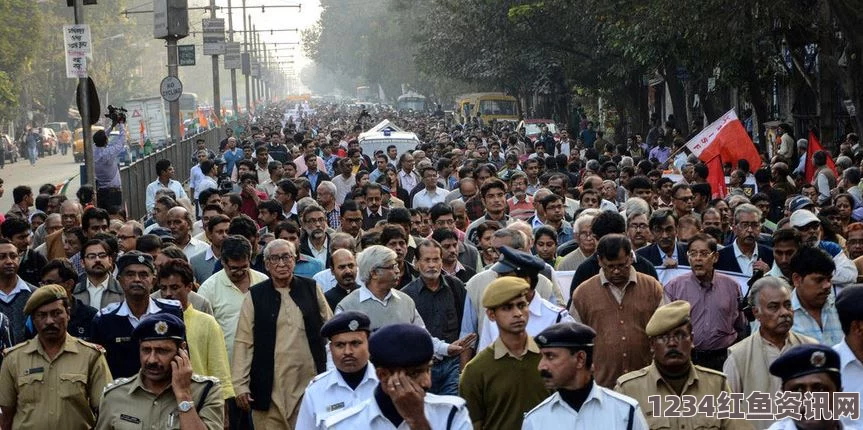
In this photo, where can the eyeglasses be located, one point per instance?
(393, 266)
(639, 226)
(699, 254)
(617, 267)
(679, 337)
(93, 256)
(284, 258)
(754, 225)
(585, 235)
(810, 227)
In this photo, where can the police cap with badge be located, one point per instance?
(44, 295)
(518, 262)
(570, 335)
(135, 257)
(668, 317)
(160, 326)
(400, 346)
(346, 322)
(803, 360)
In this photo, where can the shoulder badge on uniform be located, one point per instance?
(343, 414)
(541, 404)
(116, 383)
(202, 378)
(551, 306)
(710, 371)
(111, 308)
(635, 374)
(171, 302)
(320, 376)
(7, 351)
(95, 346)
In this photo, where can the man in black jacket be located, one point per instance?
(18, 231)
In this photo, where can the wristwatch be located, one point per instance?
(185, 406)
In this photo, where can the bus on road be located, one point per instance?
(489, 107)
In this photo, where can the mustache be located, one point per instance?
(544, 373)
(673, 353)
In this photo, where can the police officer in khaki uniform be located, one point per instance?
(672, 373)
(164, 394)
(53, 381)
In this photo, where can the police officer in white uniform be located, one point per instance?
(402, 355)
(352, 381)
(579, 403)
(542, 312)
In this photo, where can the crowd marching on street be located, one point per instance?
(481, 279)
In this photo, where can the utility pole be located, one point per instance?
(252, 59)
(84, 110)
(174, 106)
(233, 71)
(267, 83)
(217, 94)
(246, 50)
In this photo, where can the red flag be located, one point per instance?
(813, 147)
(725, 138)
(716, 178)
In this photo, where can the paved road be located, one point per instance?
(53, 169)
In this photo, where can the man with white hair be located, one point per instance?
(327, 199)
(278, 348)
(586, 244)
(383, 304)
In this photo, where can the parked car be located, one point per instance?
(49, 142)
(10, 149)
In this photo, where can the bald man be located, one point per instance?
(345, 270)
(180, 223)
(70, 216)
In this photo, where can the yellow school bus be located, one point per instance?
(489, 106)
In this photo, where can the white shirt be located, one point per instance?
(603, 409)
(327, 280)
(20, 287)
(851, 368)
(743, 261)
(788, 424)
(155, 186)
(343, 187)
(195, 176)
(152, 308)
(367, 415)
(427, 199)
(408, 181)
(194, 247)
(96, 291)
(542, 315)
(227, 300)
(329, 393)
(320, 255)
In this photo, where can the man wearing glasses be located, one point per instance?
(746, 255)
(670, 334)
(278, 347)
(682, 200)
(811, 234)
(716, 318)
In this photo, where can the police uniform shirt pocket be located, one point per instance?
(73, 386)
(657, 422)
(30, 387)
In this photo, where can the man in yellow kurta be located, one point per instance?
(207, 351)
(278, 347)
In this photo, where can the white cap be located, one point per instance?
(803, 217)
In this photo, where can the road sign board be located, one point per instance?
(233, 58)
(214, 36)
(186, 54)
(170, 19)
(136, 113)
(76, 42)
(256, 69)
(171, 88)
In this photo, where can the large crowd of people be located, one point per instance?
(483, 279)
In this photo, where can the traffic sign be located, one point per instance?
(214, 36)
(186, 54)
(136, 113)
(171, 88)
(233, 58)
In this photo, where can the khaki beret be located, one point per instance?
(44, 295)
(502, 290)
(668, 317)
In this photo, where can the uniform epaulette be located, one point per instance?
(319, 377)
(171, 302)
(111, 308)
(631, 375)
(116, 383)
(710, 371)
(540, 405)
(202, 378)
(95, 346)
(551, 306)
(622, 397)
(6, 351)
(444, 400)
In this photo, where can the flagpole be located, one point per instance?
(671, 156)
